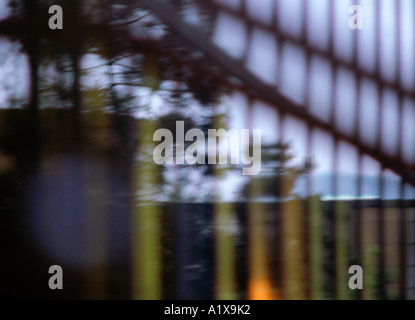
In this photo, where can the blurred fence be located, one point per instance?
(81, 188)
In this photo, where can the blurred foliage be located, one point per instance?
(380, 281)
(124, 37)
(279, 177)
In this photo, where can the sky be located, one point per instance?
(4, 10)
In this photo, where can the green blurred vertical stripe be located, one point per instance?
(343, 292)
(316, 248)
(225, 252)
(146, 226)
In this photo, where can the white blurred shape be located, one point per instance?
(322, 146)
(409, 192)
(367, 37)
(370, 171)
(293, 73)
(408, 131)
(14, 74)
(230, 34)
(295, 133)
(192, 14)
(369, 113)
(262, 59)
(388, 43)
(407, 51)
(347, 169)
(347, 158)
(96, 75)
(390, 122)
(345, 101)
(260, 10)
(391, 186)
(318, 28)
(237, 110)
(4, 10)
(266, 118)
(290, 16)
(343, 35)
(321, 86)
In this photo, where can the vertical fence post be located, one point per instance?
(316, 248)
(224, 216)
(260, 287)
(146, 226)
(225, 252)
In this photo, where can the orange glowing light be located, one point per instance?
(260, 289)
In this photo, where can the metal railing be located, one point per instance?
(294, 248)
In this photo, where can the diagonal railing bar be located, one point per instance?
(264, 91)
